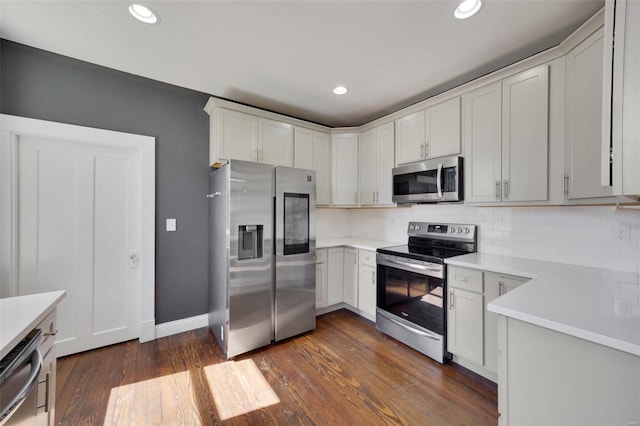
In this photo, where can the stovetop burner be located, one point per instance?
(427, 254)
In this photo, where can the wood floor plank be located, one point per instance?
(344, 372)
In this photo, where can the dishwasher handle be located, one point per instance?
(32, 380)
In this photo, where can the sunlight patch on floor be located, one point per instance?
(238, 387)
(165, 400)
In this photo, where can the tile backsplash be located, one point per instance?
(580, 235)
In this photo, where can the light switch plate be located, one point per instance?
(171, 225)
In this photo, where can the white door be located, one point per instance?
(350, 277)
(276, 143)
(83, 220)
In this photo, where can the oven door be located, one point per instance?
(412, 290)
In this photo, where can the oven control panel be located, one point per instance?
(457, 231)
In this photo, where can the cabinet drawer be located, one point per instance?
(466, 279)
(367, 258)
(321, 255)
(48, 327)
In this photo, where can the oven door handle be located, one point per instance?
(32, 380)
(439, 180)
(433, 271)
(413, 330)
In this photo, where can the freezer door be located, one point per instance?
(295, 223)
(250, 257)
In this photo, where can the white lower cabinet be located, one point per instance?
(350, 283)
(321, 278)
(472, 331)
(465, 315)
(367, 284)
(335, 275)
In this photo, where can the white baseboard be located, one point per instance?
(180, 326)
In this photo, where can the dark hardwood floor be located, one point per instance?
(343, 373)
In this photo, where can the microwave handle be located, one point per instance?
(439, 180)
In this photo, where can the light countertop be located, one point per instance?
(358, 243)
(19, 315)
(598, 305)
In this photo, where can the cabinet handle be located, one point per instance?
(377, 197)
(426, 149)
(52, 333)
(565, 184)
(355, 197)
(373, 277)
(506, 189)
(373, 196)
(451, 299)
(500, 288)
(497, 190)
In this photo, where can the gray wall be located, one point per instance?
(39, 84)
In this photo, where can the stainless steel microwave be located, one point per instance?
(429, 181)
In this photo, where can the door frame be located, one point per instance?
(11, 129)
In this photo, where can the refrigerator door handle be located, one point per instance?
(215, 194)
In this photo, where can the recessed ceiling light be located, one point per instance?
(340, 90)
(467, 9)
(143, 13)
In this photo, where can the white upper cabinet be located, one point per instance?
(410, 138)
(236, 135)
(322, 166)
(240, 136)
(275, 143)
(430, 133)
(622, 16)
(344, 169)
(443, 129)
(482, 135)
(583, 119)
(302, 148)
(525, 118)
(505, 132)
(376, 149)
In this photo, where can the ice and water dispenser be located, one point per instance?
(250, 242)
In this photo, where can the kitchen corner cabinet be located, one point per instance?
(584, 120)
(376, 154)
(241, 136)
(472, 334)
(505, 132)
(302, 148)
(335, 275)
(430, 133)
(344, 169)
(350, 283)
(367, 284)
(321, 278)
(321, 163)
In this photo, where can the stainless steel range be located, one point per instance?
(412, 288)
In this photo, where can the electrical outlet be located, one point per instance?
(622, 234)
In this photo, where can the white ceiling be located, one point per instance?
(287, 56)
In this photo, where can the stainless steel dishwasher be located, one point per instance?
(19, 375)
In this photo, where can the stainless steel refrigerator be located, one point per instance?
(262, 254)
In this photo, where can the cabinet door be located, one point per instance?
(275, 143)
(322, 166)
(583, 118)
(350, 284)
(237, 135)
(410, 138)
(443, 129)
(465, 325)
(367, 158)
(482, 135)
(321, 285)
(344, 169)
(367, 290)
(495, 286)
(335, 275)
(525, 110)
(385, 162)
(302, 148)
